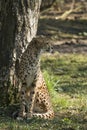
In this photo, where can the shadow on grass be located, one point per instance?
(71, 47)
(59, 28)
(65, 120)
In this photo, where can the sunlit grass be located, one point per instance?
(66, 78)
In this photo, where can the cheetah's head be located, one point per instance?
(44, 43)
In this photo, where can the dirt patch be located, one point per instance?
(71, 46)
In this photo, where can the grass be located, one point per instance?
(66, 78)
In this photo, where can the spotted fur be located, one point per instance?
(34, 96)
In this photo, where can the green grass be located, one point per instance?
(66, 78)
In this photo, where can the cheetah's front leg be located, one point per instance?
(30, 101)
(22, 112)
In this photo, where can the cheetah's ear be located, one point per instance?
(39, 38)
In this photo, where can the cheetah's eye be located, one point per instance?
(49, 49)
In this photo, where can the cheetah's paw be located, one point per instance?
(19, 118)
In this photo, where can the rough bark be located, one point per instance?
(18, 25)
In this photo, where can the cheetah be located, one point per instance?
(34, 95)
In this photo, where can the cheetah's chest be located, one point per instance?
(28, 70)
(30, 74)
(30, 79)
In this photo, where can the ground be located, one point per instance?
(65, 72)
(66, 77)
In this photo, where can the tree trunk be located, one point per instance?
(18, 25)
